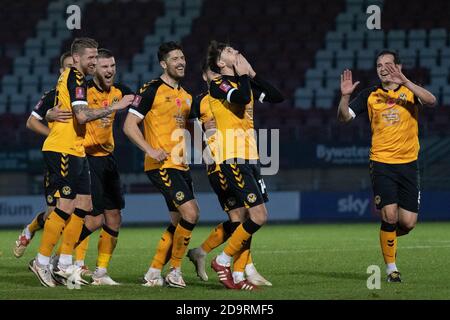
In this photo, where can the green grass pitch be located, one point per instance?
(326, 261)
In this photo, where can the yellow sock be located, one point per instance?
(106, 245)
(388, 242)
(37, 223)
(215, 238)
(72, 232)
(240, 259)
(249, 258)
(240, 236)
(164, 249)
(81, 249)
(52, 231)
(181, 239)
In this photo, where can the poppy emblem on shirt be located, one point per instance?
(178, 102)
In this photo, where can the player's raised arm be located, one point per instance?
(396, 76)
(267, 92)
(347, 88)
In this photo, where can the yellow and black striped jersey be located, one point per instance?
(164, 109)
(234, 121)
(68, 137)
(99, 139)
(393, 116)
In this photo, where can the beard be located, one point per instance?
(174, 74)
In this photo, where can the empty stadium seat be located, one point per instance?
(428, 57)
(375, 39)
(365, 59)
(445, 57)
(396, 39)
(438, 38)
(324, 59)
(417, 39)
(304, 98)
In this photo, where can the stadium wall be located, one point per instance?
(16, 211)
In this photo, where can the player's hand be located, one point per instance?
(347, 85)
(158, 154)
(241, 66)
(395, 75)
(124, 102)
(56, 114)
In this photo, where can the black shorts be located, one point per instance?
(245, 183)
(175, 185)
(396, 183)
(107, 193)
(68, 176)
(227, 199)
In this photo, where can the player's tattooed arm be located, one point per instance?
(85, 114)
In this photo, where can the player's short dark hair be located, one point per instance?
(79, 44)
(104, 53)
(214, 50)
(63, 57)
(167, 47)
(391, 52)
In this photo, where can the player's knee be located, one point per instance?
(407, 226)
(93, 222)
(258, 214)
(191, 216)
(113, 219)
(390, 214)
(66, 205)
